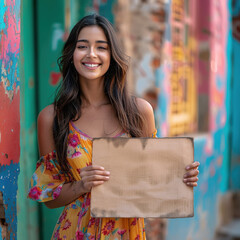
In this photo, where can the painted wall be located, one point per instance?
(27, 210)
(9, 115)
(211, 148)
(235, 118)
(151, 77)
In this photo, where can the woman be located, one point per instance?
(92, 101)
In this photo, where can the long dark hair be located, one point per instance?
(67, 103)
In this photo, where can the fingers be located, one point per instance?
(92, 176)
(191, 173)
(191, 184)
(93, 170)
(194, 165)
(92, 167)
(190, 178)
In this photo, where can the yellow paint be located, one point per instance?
(183, 109)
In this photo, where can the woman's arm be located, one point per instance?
(90, 176)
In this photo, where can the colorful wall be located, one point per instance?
(235, 110)
(9, 115)
(211, 146)
(199, 100)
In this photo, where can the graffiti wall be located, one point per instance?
(9, 115)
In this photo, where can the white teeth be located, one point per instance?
(91, 65)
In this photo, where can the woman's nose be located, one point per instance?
(91, 52)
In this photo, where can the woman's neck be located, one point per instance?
(93, 93)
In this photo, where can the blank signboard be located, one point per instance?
(146, 177)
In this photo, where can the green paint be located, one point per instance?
(27, 221)
(106, 10)
(79, 9)
(50, 31)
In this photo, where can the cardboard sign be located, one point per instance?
(146, 177)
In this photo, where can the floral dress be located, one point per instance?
(75, 221)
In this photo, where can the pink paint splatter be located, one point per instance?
(209, 145)
(10, 41)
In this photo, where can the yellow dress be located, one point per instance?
(75, 221)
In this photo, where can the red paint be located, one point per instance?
(55, 78)
(9, 127)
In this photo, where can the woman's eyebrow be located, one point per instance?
(98, 41)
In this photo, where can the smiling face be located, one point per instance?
(92, 55)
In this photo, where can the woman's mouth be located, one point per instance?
(91, 66)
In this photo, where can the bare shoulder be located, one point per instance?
(146, 111)
(144, 107)
(46, 116)
(45, 130)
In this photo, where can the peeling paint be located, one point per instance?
(8, 187)
(9, 47)
(9, 114)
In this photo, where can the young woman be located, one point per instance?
(92, 101)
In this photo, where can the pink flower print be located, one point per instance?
(56, 192)
(134, 222)
(38, 164)
(79, 170)
(62, 217)
(67, 225)
(56, 234)
(57, 177)
(108, 227)
(35, 193)
(121, 232)
(91, 222)
(73, 140)
(79, 235)
(76, 154)
(137, 237)
(49, 165)
(97, 221)
(86, 203)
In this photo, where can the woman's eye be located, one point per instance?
(102, 48)
(81, 47)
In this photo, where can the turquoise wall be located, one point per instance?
(235, 110)
(27, 210)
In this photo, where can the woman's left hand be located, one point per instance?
(190, 178)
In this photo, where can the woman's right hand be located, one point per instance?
(92, 176)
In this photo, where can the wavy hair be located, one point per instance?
(67, 104)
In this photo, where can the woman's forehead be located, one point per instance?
(92, 32)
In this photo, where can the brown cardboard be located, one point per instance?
(146, 177)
